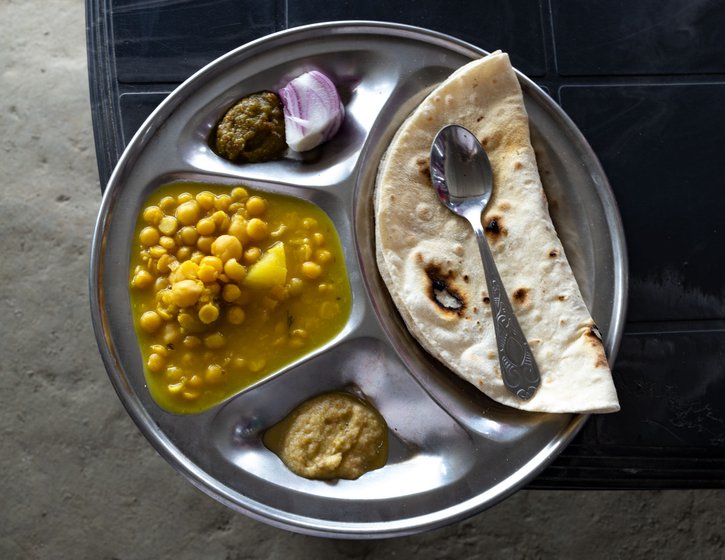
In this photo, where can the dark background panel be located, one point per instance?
(671, 388)
(135, 109)
(169, 41)
(512, 26)
(645, 37)
(661, 147)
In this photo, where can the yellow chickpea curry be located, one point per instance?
(229, 286)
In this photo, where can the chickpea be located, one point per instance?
(167, 204)
(231, 292)
(149, 236)
(208, 313)
(171, 333)
(168, 243)
(188, 213)
(256, 206)
(235, 315)
(252, 255)
(188, 322)
(153, 215)
(318, 238)
(191, 341)
(295, 286)
(195, 382)
(213, 373)
(207, 273)
(214, 341)
(184, 197)
(188, 269)
(188, 235)
(156, 251)
(257, 229)
(234, 270)
(238, 228)
(185, 293)
(174, 373)
(239, 193)
(156, 363)
(221, 220)
(159, 349)
(204, 244)
(323, 256)
(161, 284)
(227, 247)
(150, 321)
(205, 200)
(311, 270)
(183, 254)
(205, 226)
(309, 223)
(142, 279)
(175, 388)
(222, 202)
(214, 262)
(164, 263)
(168, 225)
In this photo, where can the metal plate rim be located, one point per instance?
(194, 473)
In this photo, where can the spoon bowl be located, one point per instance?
(462, 176)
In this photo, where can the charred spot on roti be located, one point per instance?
(479, 119)
(554, 253)
(491, 355)
(494, 227)
(518, 165)
(465, 278)
(593, 335)
(504, 205)
(486, 300)
(520, 295)
(442, 292)
(601, 362)
(562, 297)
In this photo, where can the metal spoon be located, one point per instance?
(462, 176)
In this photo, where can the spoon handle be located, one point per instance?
(518, 368)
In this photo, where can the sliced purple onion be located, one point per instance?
(313, 111)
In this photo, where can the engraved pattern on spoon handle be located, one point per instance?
(518, 368)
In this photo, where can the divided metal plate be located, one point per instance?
(453, 451)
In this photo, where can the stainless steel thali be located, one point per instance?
(453, 452)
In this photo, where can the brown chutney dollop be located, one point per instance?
(333, 435)
(252, 131)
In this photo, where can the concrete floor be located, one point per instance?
(77, 478)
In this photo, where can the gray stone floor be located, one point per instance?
(77, 478)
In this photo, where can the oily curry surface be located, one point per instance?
(229, 286)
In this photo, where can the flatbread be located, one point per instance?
(430, 262)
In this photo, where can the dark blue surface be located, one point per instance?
(660, 147)
(169, 41)
(644, 37)
(512, 26)
(645, 82)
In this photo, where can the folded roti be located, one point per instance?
(429, 259)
